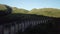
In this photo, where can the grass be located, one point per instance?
(51, 12)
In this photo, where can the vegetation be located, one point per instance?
(2, 7)
(17, 10)
(51, 12)
(13, 14)
(5, 10)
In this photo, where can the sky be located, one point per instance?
(30, 4)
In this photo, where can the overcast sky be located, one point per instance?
(30, 4)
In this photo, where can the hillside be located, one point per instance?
(17, 10)
(51, 12)
(5, 10)
(2, 7)
(43, 18)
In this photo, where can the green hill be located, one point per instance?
(51, 12)
(2, 7)
(17, 10)
(5, 10)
